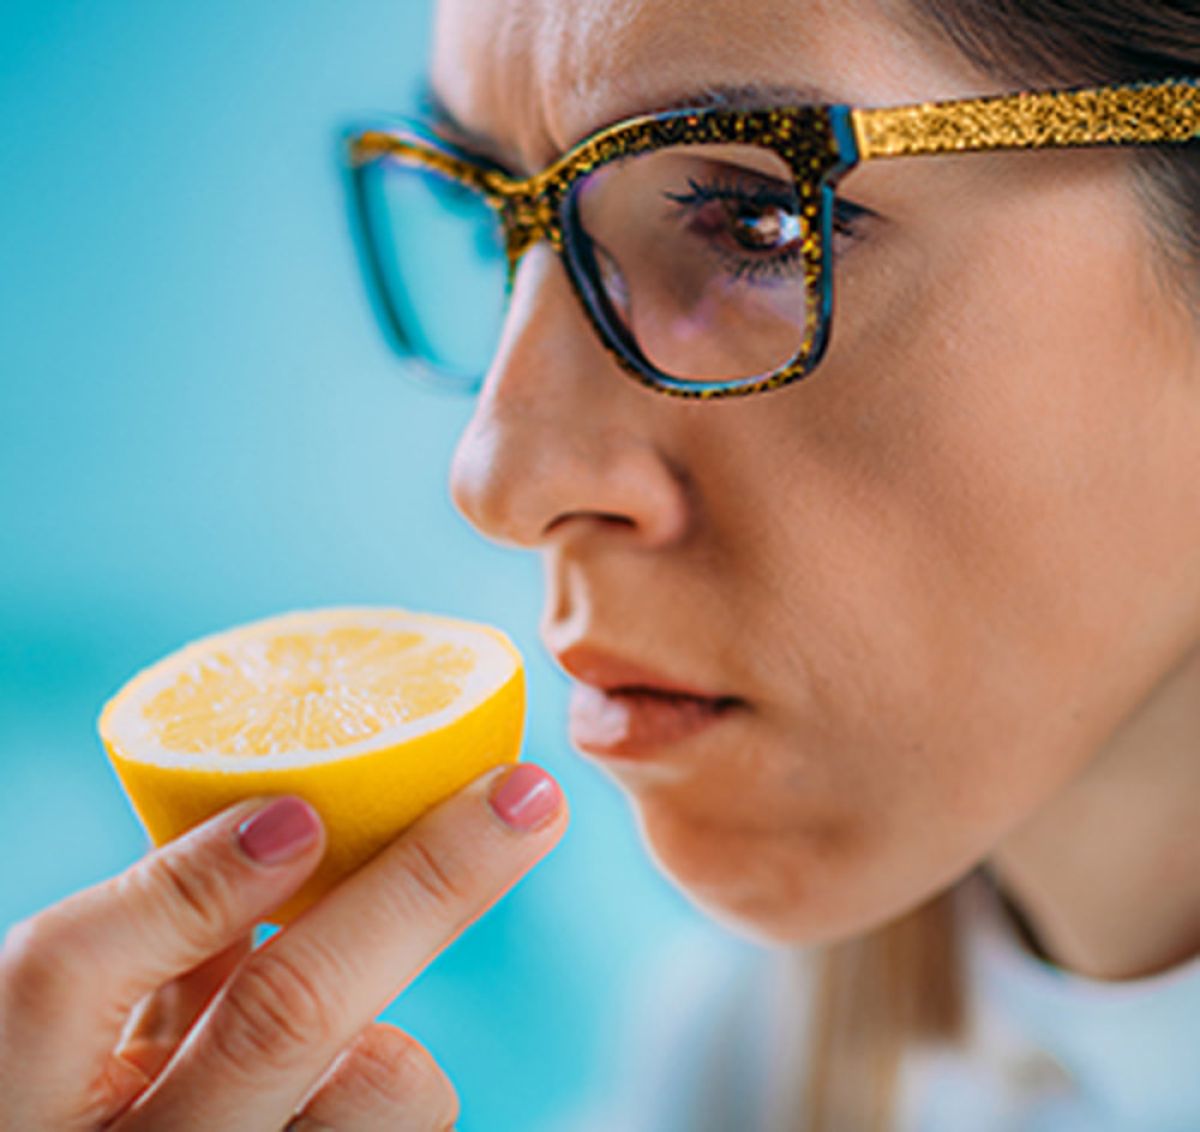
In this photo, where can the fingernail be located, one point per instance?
(526, 797)
(279, 832)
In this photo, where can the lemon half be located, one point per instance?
(372, 715)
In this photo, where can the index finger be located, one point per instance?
(304, 996)
(169, 912)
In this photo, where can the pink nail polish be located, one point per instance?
(526, 798)
(279, 832)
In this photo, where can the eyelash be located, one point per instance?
(846, 215)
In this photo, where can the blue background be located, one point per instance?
(199, 425)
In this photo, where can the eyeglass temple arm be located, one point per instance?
(1137, 114)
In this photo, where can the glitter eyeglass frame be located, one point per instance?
(820, 144)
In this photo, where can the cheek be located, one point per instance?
(1004, 491)
(1049, 469)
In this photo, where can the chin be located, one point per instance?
(792, 889)
(752, 920)
(761, 920)
(740, 882)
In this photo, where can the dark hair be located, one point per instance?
(902, 985)
(1075, 42)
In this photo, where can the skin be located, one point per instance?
(952, 575)
(190, 1030)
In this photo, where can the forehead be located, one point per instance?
(535, 76)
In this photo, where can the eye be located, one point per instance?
(762, 228)
(755, 227)
(752, 217)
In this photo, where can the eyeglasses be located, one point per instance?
(699, 242)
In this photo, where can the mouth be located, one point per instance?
(636, 722)
(622, 710)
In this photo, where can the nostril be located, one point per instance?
(598, 516)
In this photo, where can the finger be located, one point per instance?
(386, 1082)
(171, 911)
(298, 1001)
(163, 1019)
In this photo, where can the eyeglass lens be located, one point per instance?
(440, 248)
(703, 255)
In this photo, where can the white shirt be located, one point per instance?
(719, 1035)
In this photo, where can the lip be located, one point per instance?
(611, 673)
(638, 725)
(623, 710)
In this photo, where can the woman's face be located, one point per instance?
(934, 576)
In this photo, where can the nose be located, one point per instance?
(560, 437)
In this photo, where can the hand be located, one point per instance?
(138, 1005)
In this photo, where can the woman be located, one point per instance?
(916, 629)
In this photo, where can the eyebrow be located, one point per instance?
(744, 96)
(433, 110)
(750, 96)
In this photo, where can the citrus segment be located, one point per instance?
(372, 715)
